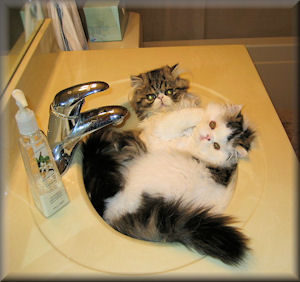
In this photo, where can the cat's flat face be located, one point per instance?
(222, 136)
(156, 90)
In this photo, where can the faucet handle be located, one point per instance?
(67, 99)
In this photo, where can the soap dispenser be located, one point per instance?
(45, 181)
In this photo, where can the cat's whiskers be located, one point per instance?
(232, 157)
(229, 157)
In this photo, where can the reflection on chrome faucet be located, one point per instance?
(67, 125)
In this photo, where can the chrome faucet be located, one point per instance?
(67, 125)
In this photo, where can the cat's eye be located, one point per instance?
(217, 146)
(212, 124)
(151, 97)
(169, 92)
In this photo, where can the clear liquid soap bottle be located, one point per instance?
(45, 181)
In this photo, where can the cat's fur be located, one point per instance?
(173, 194)
(181, 129)
(158, 90)
(104, 154)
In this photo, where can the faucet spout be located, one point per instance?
(95, 119)
(88, 122)
(67, 125)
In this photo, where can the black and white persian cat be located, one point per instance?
(170, 180)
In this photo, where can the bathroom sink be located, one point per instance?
(102, 244)
(77, 241)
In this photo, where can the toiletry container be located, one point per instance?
(46, 185)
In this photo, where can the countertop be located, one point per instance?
(76, 242)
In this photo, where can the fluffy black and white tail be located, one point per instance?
(162, 221)
(104, 154)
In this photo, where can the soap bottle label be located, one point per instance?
(53, 201)
(45, 166)
(54, 197)
(47, 188)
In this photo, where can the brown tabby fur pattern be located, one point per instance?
(161, 80)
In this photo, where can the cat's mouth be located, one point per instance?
(162, 104)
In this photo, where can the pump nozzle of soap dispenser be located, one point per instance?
(25, 117)
(20, 98)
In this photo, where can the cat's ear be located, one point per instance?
(241, 151)
(234, 111)
(136, 80)
(175, 70)
(174, 67)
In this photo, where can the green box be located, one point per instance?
(106, 20)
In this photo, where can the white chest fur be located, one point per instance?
(172, 176)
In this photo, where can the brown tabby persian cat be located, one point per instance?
(158, 90)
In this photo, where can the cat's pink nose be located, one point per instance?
(160, 96)
(206, 137)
